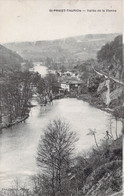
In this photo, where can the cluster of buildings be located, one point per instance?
(69, 81)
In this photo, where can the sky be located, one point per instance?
(31, 20)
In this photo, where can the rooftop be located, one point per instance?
(70, 80)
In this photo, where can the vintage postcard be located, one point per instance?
(61, 97)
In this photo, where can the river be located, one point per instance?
(18, 144)
(43, 70)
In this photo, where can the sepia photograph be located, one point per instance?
(61, 98)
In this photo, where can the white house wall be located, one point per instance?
(65, 87)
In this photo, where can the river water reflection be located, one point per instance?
(18, 145)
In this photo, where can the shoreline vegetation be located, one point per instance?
(79, 97)
(87, 97)
(18, 120)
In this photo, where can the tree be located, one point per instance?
(16, 94)
(46, 87)
(93, 132)
(54, 157)
(51, 83)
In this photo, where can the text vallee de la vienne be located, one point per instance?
(82, 10)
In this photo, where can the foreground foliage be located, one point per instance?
(61, 173)
(55, 158)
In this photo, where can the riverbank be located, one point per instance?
(6, 125)
(18, 120)
(93, 101)
(84, 97)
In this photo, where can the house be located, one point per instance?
(65, 86)
(74, 85)
(71, 84)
